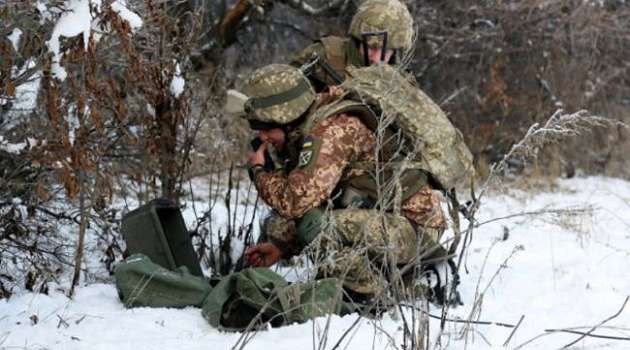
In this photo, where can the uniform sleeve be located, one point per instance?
(329, 148)
(424, 209)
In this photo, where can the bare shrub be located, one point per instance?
(515, 62)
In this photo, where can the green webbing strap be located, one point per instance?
(309, 226)
(352, 52)
(273, 100)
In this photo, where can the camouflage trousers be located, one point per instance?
(364, 248)
(367, 249)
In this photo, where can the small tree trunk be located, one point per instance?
(167, 128)
(78, 256)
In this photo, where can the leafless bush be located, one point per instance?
(32, 251)
(228, 226)
(515, 62)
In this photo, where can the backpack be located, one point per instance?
(438, 147)
(253, 297)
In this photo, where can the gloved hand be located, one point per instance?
(263, 255)
(441, 280)
(266, 161)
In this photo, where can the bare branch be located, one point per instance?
(584, 334)
(587, 334)
(623, 306)
(572, 211)
(484, 323)
(231, 20)
(507, 341)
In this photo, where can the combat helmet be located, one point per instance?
(278, 94)
(385, 23)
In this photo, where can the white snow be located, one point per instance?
(43, 10)
(78, 20)
(178, 82)
(15, 37)
(150, 110)
(25, 96)
(14, 148)
(120, 7)
(567, 271)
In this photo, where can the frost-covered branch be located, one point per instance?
(588, 210)
(559, 126)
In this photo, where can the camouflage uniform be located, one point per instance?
(335, 142)
(354, 239)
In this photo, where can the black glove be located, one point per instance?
(269, 164)
(441, 280)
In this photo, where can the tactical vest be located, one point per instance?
(369, 184)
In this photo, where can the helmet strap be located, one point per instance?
(254, 103)
(259, 125)
(364, 42)
(384, 49)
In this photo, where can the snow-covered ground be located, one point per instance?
(555, 270)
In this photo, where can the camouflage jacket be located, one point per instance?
(324, 162)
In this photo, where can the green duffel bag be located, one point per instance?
(257, 296)
(306, 300)
(141, 282)
(245, 297)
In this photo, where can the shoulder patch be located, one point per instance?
(305, 158)
(309, 152)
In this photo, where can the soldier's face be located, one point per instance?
(374, 54)
(274, 136)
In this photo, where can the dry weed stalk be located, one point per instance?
(582, 335)
(560, 125)
(557, 127)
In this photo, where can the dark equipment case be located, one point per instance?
(157, 230)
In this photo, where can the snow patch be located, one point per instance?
(45, 15)
(14, 148)
(178, 82)
(78, 20)
(25, 96)
(14, 38)
(120, 7)
(558, 281)
(150, 110)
